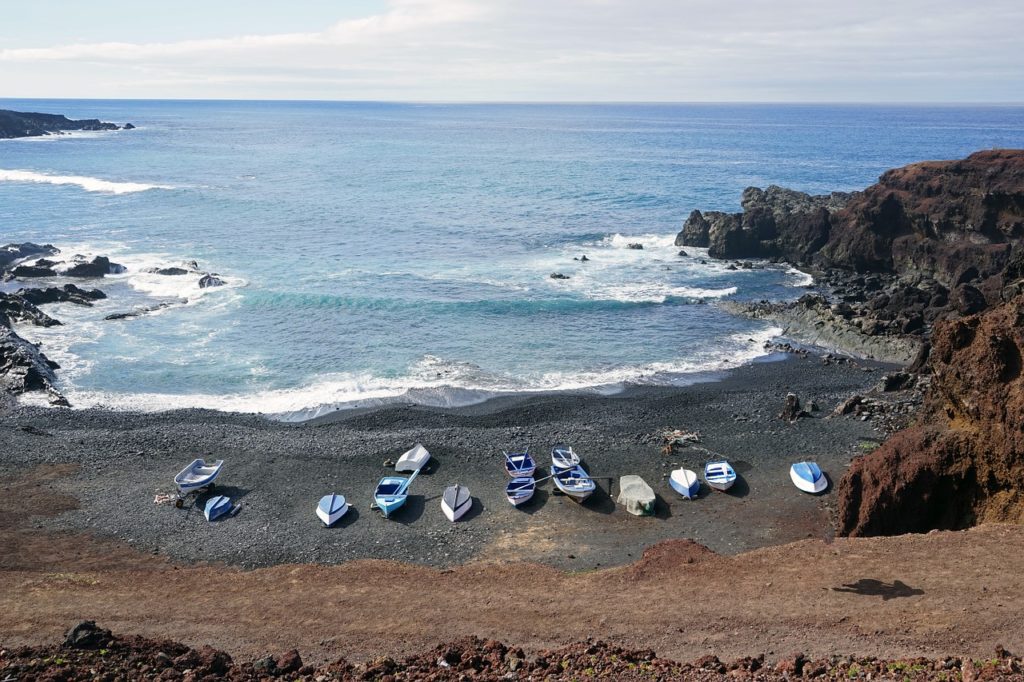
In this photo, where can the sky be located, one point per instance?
(516, 50)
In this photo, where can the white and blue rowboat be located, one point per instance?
(520, 490)
(807, 476)
(217, 507)
(563, 457)
(456, 501)
(413, 460)
(719, 475)
(197, 475)
(392, 492)
(520, 464)
(685, 482)
(574, 482)
(331, 508)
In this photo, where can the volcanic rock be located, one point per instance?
(86, 635)
(97, 267)
(68, 293)
(26, 124)
(13, 253)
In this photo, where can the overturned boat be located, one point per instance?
(331, 508)
(413, 460)
(807, 476)
(685, 482)
(456, 501)
(216, 507)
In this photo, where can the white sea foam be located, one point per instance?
(634, 292)
(799, 278)
(431, 381)
(85, 182)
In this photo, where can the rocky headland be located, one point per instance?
(30, 124)
(926, 268)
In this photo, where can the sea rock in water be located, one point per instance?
(210, 280)
(13, 253)
(636, 246)
(29, 271)
(558, 275)
(68, 293)
(171, 271)
(14, 307)
(636, 496)
(23, 367)
(97, 267)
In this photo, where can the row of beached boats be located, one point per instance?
(566, 473)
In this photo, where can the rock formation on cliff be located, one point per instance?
(30, 124)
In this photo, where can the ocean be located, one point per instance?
(377, 252)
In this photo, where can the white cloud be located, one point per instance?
(572, 50)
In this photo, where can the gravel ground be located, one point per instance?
(277, 472)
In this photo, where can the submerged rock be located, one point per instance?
(558, 275)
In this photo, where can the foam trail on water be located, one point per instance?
(85, 182)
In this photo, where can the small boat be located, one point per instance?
(520, 490)
(685, 482)
(197, 475)
(807, 476)
(574, 482)
(456, 501)
(520, 464)
(331, 508)
(216, 507)
(719, 475)
(413, 460)
(392, 492)
(563, 457)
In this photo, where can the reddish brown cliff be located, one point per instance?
(964, 463)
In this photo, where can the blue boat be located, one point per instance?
(574, 482)
(807, 476)
(520, 489)
(392, 492)
(520, 464)
(719, 475)
(685, 482)
(331, 508)
(217, 507)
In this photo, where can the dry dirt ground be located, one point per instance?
(948, 593)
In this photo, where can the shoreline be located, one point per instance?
(277, 471)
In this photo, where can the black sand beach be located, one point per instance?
(277, 472)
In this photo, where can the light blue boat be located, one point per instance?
(331, 508)
(685, 482)
(392, 492)
(217, 507)
(807, 476)
(574, 482)
(719, 475)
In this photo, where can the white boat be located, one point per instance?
(197, 475)
(685, 482)
(413, 460)
(456, 501)
(719, 475)
(216, 507)
(807, 476)
(574, 482)
(331, 508)
(563, 457)
(520, 464)
(520, 489)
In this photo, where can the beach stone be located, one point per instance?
(791, 410)
(288, 662)
(636, 496)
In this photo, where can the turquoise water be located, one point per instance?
(381, 252)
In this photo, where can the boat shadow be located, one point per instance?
(600, 501)
(740, 488)
(350, 517)
(662, 508)
(411, 511)
(475, 510)
(535, 503)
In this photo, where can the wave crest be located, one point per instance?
(85, 182)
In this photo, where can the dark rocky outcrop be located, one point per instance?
(14, 253)
(97, 267)
(29, 124)
(553, 275)
(14, 308)
(23, 367)
(170, 271)
(69, 293)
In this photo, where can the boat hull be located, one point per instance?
(520, 465)
(719, 475)
(389, 505)
(331, 508)
(216, 507)
(687, 484)
(563, 457)
(813, 487)
(455, 502)
(575, 483)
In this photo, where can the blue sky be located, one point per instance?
(517, 50)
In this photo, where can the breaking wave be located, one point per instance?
(85, 182)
